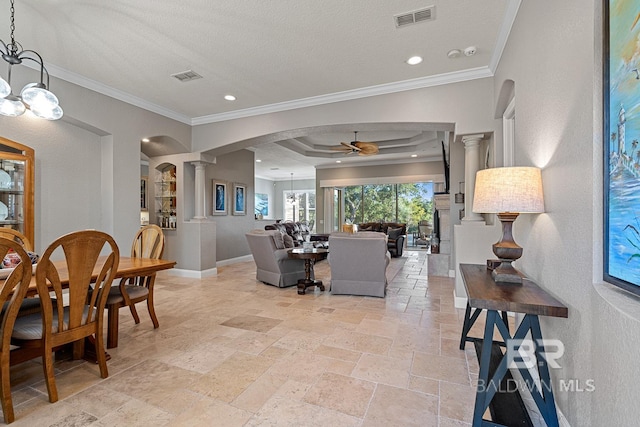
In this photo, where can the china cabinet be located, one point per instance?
(165, 196)
(16, 186)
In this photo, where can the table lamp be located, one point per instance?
(508, 192)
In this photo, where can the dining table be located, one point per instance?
(127, 267)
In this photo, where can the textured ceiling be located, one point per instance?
(263, 52)
(268, 54)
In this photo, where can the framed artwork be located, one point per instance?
(262, 205)
(239, 199)
(621, 97)
(219, 197)
(144, 199)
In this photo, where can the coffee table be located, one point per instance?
(310, 256)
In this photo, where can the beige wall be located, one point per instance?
(557, 73)
(88, 163)
(234, 167)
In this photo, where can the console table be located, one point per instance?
(527, 298)
(310, 256)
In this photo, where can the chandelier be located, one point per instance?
(292, 195)
(34, 96)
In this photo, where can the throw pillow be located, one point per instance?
(288, 241)
(394, 233)
(278, 239)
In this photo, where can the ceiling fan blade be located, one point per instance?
(350, 146)
(340, 148)
(367, 148)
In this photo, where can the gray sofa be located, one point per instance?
(358, 263)
(273, 265)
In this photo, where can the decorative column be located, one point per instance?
(471, 166)
(200, 190)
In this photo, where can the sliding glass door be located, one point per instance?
(405, 203)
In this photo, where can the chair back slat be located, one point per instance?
(15, 235)
(148, 242)
(13, 289)
(81, 251)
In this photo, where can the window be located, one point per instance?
(408, 203)
(300, 205)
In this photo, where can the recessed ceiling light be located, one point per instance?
(230, 97)
(338, 161)
(414, 60)
(258, 160)
(145, 139)
(414, 155)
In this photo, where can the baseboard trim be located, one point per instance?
(193, 274)
(459, 302)
(230, 261)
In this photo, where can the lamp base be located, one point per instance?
(506, 273)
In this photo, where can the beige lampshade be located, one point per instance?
(511, 189)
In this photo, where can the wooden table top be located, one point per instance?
(315, 253)
(528, 297)
(126, 267)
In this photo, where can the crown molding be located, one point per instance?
(419, 83)
(388, 88)
(503, 34)
(95, 86)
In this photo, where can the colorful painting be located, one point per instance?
(621, 136)
(219, 197)
(262, 205)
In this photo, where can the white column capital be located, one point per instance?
(200, 164)
(469, 140)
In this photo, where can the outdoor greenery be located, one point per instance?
(408, 203)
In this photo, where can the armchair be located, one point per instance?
(273, 265)
(395, 231)
(358, 263)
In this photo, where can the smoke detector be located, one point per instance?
(470, 51)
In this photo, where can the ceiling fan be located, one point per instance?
(360, 147)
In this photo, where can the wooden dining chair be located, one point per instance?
(11, 234)
(148, 243)
(82, 316)
(12, 292)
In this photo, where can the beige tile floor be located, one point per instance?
(231, 351)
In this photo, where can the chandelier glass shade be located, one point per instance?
(34, 96)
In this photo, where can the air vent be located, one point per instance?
(409, 18)
(187, 76)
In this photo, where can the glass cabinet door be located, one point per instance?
(16, 187)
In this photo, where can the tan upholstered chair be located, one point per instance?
(358, 263)
(273, 265)
(82, 317)
(13, 288)
(148, 243)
